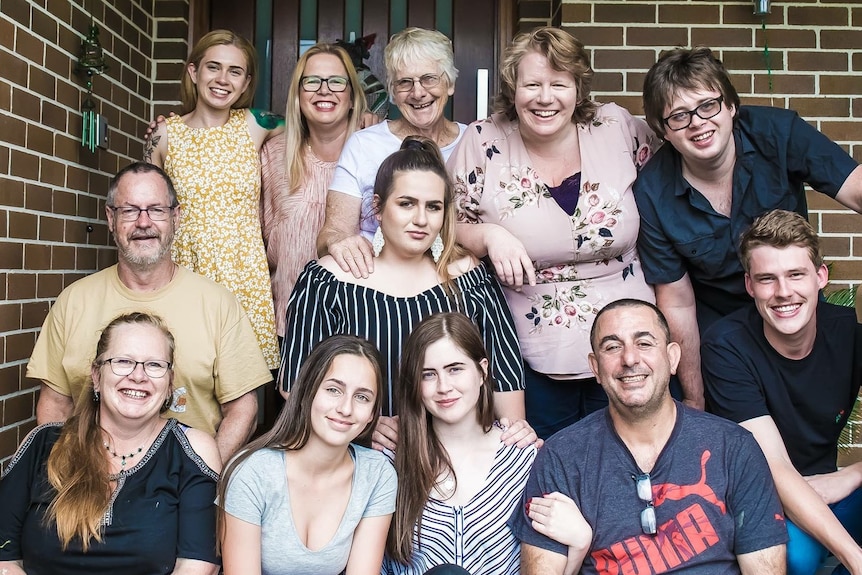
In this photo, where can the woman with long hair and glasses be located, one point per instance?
(458, 482)
(325, 104)
(303, 498)
(117, 488)
(420, 271)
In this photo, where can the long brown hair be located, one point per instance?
(292, 428)
(77, 467)
(189, 90)
(420, 458)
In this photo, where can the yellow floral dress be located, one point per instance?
(216, 172)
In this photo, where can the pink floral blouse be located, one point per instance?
(583, 261)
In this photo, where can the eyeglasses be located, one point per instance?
(314, 83)
(644, 487)
(123, 366)
(682, 120)
(427, 81)
(132, 213)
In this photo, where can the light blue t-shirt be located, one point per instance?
(258, 494)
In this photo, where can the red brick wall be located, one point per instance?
(52, 225)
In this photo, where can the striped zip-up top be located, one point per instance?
(322, 306)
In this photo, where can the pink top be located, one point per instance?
(290, 220)
(583, 261)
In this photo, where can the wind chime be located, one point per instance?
(763, 8)
(91, 62)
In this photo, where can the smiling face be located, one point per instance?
(632, 359)
(136, 396)
(343, 405)
(413, 213)
(545, 98)
(785, 285)
(143, 242)
(451, 382)
(708, 142)
(325, 107)
(222, 76)
(422, 107)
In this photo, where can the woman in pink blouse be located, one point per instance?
(543, 188)
(325, 104)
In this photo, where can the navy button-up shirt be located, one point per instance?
(777, 152)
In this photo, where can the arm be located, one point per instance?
(156, 145)
(340, 236)
(193, 567)
(558, 517)
(769, 561)
(237, 425)
(263, 125)
(507, 254)
(850, 193)
(676, 301)
(801, 503)
(369, 540)
(12, 568)
(538, 561)
(240, 547)
(52, 406)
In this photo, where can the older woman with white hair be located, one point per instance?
(421, 74)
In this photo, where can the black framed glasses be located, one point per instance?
(682, 120)
(644, 487)
(132, 213)
(427, 81)
(124, 366)
(315, 83)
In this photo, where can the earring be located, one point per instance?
(437, 248)
(378, 242)
(96, 397)
(168, 401)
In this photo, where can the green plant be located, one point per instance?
(846, 297)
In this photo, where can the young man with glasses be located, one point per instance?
(648, 485)
(722, 165)
(788, 369)
(219, 364)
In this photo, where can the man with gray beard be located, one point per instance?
(218, 364)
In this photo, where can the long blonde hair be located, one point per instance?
(296, 131)
(77, 467)
(189, 90)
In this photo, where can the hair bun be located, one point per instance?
(418, 143)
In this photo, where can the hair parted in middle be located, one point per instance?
(684, 69)
(421, 457)
(77, 468)
(188, 89)
(564, 52)
(414, 45)
(420, 154)
(296, 127)
(779, 229)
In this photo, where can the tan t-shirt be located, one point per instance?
(217, 358)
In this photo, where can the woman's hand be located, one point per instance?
(556, 516)
(385, 435)
(519, 433)
(509, 257)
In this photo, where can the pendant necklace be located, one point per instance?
(123, 458)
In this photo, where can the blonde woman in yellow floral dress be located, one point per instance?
(211, 153)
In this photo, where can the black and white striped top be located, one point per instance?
(474, 536)
(322, 306)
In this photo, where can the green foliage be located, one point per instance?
(846, 297)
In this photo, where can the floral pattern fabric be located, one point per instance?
(583, 261)
(216, 172)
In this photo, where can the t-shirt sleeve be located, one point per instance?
(346, 176)
(382, 498)
(732, 389)
(46, 361)
(467, 167)
(752, 499)
(661, 262)
(310, 319)
(240, 366)
(500, 337)
(246, 490)
(815, 159)
(546, 476)
(197, 515)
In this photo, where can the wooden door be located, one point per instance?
(478, 29)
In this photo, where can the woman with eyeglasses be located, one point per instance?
(325, 104)
(212, 154)
(116, 488)
(421, 74)
(544, 189)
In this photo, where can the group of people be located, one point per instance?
(447, 298)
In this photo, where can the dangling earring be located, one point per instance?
(96, 397)
(437, 248)
(168, 401)
(378, 242)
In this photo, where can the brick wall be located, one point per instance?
(52, 225)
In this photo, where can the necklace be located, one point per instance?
(123, 458)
